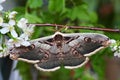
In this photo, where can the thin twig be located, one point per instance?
(78, 27)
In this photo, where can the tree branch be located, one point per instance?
(78, 27)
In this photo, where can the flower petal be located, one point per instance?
(4, 30)
(13, 33)
(117, 54)
(113, 41)
(22, 23)
(24, 20)
(9, 43)
(5, 25)
(12, 22)
(17, 44)
(31, 28)
(12, 14)
(25, 43)
(24, 36)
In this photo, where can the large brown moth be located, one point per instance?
(70, 50)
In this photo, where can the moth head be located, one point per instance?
(16, 51)
(58, 38)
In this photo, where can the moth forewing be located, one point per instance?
(30, 54)
(88, 43)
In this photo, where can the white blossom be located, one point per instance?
(9, 27)
(22, 23)
(12, 14)
(18, 42)
(1, 21)
(1, 7)
(112, 41)
(115, 47)
(24, 36)
(117, 53)
(27, 29)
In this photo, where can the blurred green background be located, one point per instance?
(98, 13)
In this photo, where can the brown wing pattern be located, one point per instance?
(69, 50)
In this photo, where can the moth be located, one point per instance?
(70, 50)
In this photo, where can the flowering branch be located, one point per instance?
(78, 27)
(115, 47)
(8, 31)
(8, 26)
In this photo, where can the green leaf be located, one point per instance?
(61, 74)
(82, 13)
(72, 14)
(79, 72)
(33, 18)
(37, 32)
(56, 5)
(115, 36)
(79, 12)
(99, 65)
(21, 12)
(93, 17)
(35, 3)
